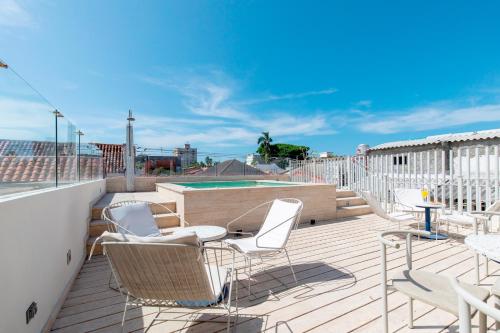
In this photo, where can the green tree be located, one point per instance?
(285, 150)
(264, 143)
(208, 161)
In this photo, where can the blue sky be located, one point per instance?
(329, 75)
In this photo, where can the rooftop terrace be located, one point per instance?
(337, 265)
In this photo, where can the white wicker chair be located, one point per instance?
(282, 216)
(466, 299)
(396, 217)
(171, 271)
(427, 287)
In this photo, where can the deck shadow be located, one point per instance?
(309, 276)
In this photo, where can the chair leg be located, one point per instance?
(124, 313)
(497, 306)
(476, 267)
(249, 275)
(486, 266)
(410, 312)
(291, 267)
(482, 322)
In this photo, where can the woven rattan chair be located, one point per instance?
(282, 216)
(171, 271)
(427, 287)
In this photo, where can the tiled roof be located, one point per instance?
(230, 168)
(113, 157)
(43, 168)
(35, 161)
(451, 137)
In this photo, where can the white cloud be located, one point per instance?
(364, 103)
(25, 120)
(304, 94)
(12, 14)
(432, 117)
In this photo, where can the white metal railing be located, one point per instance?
(463, 179)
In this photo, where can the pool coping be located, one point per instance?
(183, 189)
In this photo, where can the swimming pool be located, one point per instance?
(234, 183)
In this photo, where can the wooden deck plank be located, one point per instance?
(337, 265)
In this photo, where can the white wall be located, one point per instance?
(36, 231)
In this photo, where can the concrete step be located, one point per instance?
(345, 193)
(98, 246)
(353, 211)
(350, 201)
(170, 220)
(97, 227)
(156, 209)
(97, 249)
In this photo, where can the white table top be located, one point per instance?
(487, 245)
(205, 233)
(429, 205)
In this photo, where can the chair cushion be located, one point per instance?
(136, 218)
(186, 238)
(248, 246)
(219, 288)
(433, 289)
(279, 221)
(456, 218)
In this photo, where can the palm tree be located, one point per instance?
(265, 142)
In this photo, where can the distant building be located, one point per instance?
(230, 168)
(326, 154)
(270, 168)
(253, 159)
(187, 155)
(152, 163)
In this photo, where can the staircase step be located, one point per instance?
(97, 227)
(345, 193)
(97, 248)
(353, 211)
(350, 201)
(169, 207)
(167, 220)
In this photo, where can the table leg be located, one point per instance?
(429, 228)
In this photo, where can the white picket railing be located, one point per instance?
(464, 179)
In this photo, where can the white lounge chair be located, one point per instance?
(427, 287)
(396, 217)
(282, 216)
(170, 271)
(466, 299)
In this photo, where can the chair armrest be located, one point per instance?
(228, 225)
(240, 233)
(476, 213)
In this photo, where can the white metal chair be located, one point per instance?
(407, 200)
(427, 287)
(473, 219)
(171, 271)
(396, 217)
(282, 216)
(466, 299)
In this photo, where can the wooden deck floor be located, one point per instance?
(337, 264)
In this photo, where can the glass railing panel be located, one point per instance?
(27, 137)
(67, 158)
